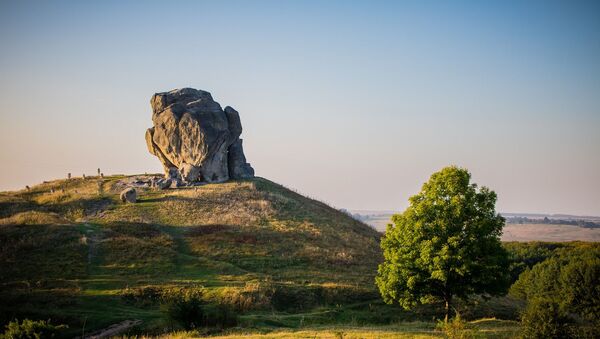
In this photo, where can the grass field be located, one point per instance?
(488, 328)
(512, 232)
(289, 266)
(551, 233)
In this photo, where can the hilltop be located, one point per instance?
(73, 252)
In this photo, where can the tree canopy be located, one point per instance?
(445, 244)
(569, 279)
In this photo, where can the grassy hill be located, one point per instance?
(72, 252)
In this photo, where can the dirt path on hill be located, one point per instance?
(114, 329)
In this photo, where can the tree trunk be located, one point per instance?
(447, 311)
(447, 299)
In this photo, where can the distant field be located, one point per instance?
(512, 232)
(379, 222)
(554, 233)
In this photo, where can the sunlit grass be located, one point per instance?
(488, 328)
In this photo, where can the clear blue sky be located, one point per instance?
(355, 103)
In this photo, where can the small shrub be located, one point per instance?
(185, 308)
(456, 328)
(253, 296)
(30, 329)
(142, 296)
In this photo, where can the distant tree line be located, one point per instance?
(575, 222)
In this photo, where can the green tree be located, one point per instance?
(446, 244)
(580, 281)
(544, 318)
(541, 281)
(569, 278)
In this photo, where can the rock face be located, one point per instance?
(129, 195)
(195, 139)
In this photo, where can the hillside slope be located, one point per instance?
(72, 252)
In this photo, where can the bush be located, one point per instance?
(456, 328)
(143, 296)
(187, 308)
(544, 318)
(253, 296)
(30, 329)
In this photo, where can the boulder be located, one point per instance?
(161, 183)
(129, 195)
(194, 137)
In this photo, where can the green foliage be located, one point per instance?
(580, 281)
(254, 295)
(541, 281)
(569, 279)
(544, 318)
(187, 308)
(445, 244)
(30, 329)
(161, 294)
(525, 255)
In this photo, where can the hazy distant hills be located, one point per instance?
(376, 219)
(519, 226)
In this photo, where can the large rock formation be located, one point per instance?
(195, 139)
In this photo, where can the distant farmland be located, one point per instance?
(554, 233)
(531, 231)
